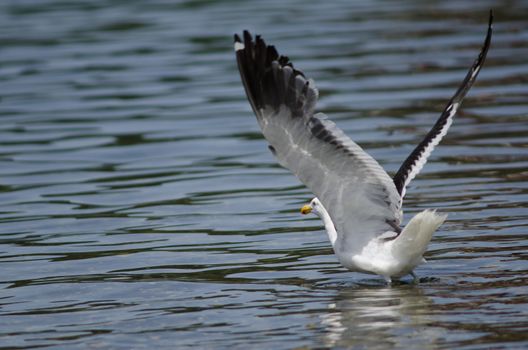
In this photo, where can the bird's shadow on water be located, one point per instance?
(378, 282)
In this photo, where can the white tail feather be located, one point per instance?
(413, 241)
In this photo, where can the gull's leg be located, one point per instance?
(415, 278)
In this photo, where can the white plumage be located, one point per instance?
(359, 203)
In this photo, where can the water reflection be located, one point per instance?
(379, 317)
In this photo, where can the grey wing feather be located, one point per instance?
(359, 195)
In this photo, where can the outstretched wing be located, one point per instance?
(359, 195)
(417, 159)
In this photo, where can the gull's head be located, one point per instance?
(313, 207)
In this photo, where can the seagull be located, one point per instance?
(359, 203)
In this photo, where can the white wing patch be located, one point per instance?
(238, 46)
(422, 159)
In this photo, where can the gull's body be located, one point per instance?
(358, 202)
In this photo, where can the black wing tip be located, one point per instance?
(487, 41)
(270, 79)
(246, 40)
(490, 27)
(245, 35)
(479, 62)
(400, 178)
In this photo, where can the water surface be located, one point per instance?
(140, 207)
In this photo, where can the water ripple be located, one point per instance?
(139, 205)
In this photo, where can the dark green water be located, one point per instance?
(140, 207)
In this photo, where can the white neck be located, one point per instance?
(329, 225)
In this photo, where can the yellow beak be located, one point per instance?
(307, 209)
